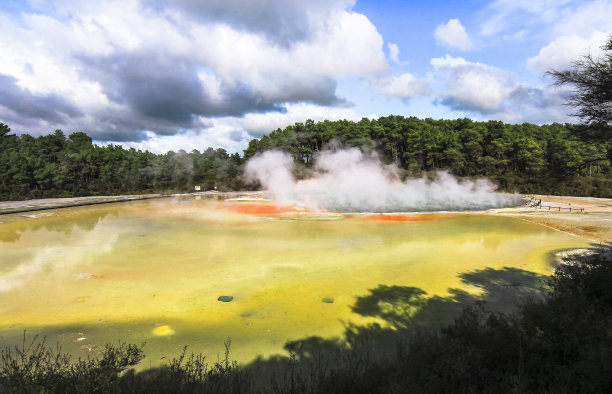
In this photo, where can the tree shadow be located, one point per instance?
(403, 307)
(394, 304)
(406, 311)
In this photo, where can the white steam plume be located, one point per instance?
(273, 170)
(347, 180)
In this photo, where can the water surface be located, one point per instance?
(152, 271)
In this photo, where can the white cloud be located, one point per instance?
(453, 35)
(233, 133)
(403, 86)
(258, 124)
(349, 46)
(562, 31)
(547, 18)
(138, 66)
(474, 86)
(504, 15)
(580, 29)
(189, 140)
(61, 255)
(494, 93)
(583, 18)
(561, 52)
(393, 52)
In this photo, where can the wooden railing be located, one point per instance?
(537, 203)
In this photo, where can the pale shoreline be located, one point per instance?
(594, 223)
(24, 206)
(591, 218)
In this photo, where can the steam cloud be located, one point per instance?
(347, 180)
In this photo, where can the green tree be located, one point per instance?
(591, 80)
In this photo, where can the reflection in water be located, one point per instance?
(16, 224)
(154, 271)
(57, 251)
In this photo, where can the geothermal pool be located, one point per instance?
(152, 271)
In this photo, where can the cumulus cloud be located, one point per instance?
(283, 23)
(222, 136)
(403, 86)
(122, 69)
(563, 30)
(535, 105)
(46, 107)
(473, 86)
(495, 93)
(571, 28)
(393, 52)
(548, 18)
(160, 88)
(233, 133)
(504, 15)
(453, 35)
(561, 52)
(258, 124)
(583, 18)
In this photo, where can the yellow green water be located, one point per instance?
(152, 271)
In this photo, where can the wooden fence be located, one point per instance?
(537, 203)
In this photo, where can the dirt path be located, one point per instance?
(7, 207)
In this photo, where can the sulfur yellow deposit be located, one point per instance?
(195, 272)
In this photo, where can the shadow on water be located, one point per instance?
(400, 310)
(403, 307)
(404, 312)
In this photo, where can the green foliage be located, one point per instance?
(591, 80)
(35, 367)
(191, 374)
(526, 158)
(56, 166)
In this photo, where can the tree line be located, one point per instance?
(526, 158)
(58, 166)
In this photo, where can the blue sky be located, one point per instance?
(188, 74)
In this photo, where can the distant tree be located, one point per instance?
(549, 159)
(4, 130)
(591, 79)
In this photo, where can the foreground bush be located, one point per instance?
(36, 367)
